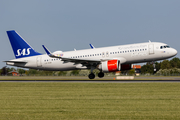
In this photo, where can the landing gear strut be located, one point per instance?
(154, 66)
(92, 75)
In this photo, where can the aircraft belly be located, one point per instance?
(58, 66)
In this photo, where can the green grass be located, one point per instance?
(32, 101)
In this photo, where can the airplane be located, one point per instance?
(106, 59)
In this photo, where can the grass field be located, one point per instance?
(51, 101)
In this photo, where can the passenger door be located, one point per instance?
(151, 48)
(38, 61)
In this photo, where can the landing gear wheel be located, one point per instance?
(91, 76)
(101, 74)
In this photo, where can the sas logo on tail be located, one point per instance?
(23, 52)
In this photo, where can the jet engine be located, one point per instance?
(110, 66)
(113, 65)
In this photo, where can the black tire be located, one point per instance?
(91, 76)
(101, 75)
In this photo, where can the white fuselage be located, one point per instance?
(129, 54)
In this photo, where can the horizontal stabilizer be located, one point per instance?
(15, 61)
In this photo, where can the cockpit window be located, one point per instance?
(163, 47)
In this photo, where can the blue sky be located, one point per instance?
(68, 24)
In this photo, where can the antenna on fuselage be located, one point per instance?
(150, 41)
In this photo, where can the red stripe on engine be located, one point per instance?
(112, 65)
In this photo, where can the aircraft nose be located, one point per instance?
(174, 52)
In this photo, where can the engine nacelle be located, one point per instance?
(110, 66)
(113, 66)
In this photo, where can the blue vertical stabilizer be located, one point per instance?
(20, 47)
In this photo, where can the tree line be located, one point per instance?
(170, 66)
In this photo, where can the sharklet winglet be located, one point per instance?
(48, 52)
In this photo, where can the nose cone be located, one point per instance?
(174, 52)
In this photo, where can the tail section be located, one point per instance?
(20, 47)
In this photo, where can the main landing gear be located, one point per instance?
(101, 74)
(92, 75)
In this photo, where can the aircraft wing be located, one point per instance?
(74, 60)
(84, 62)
